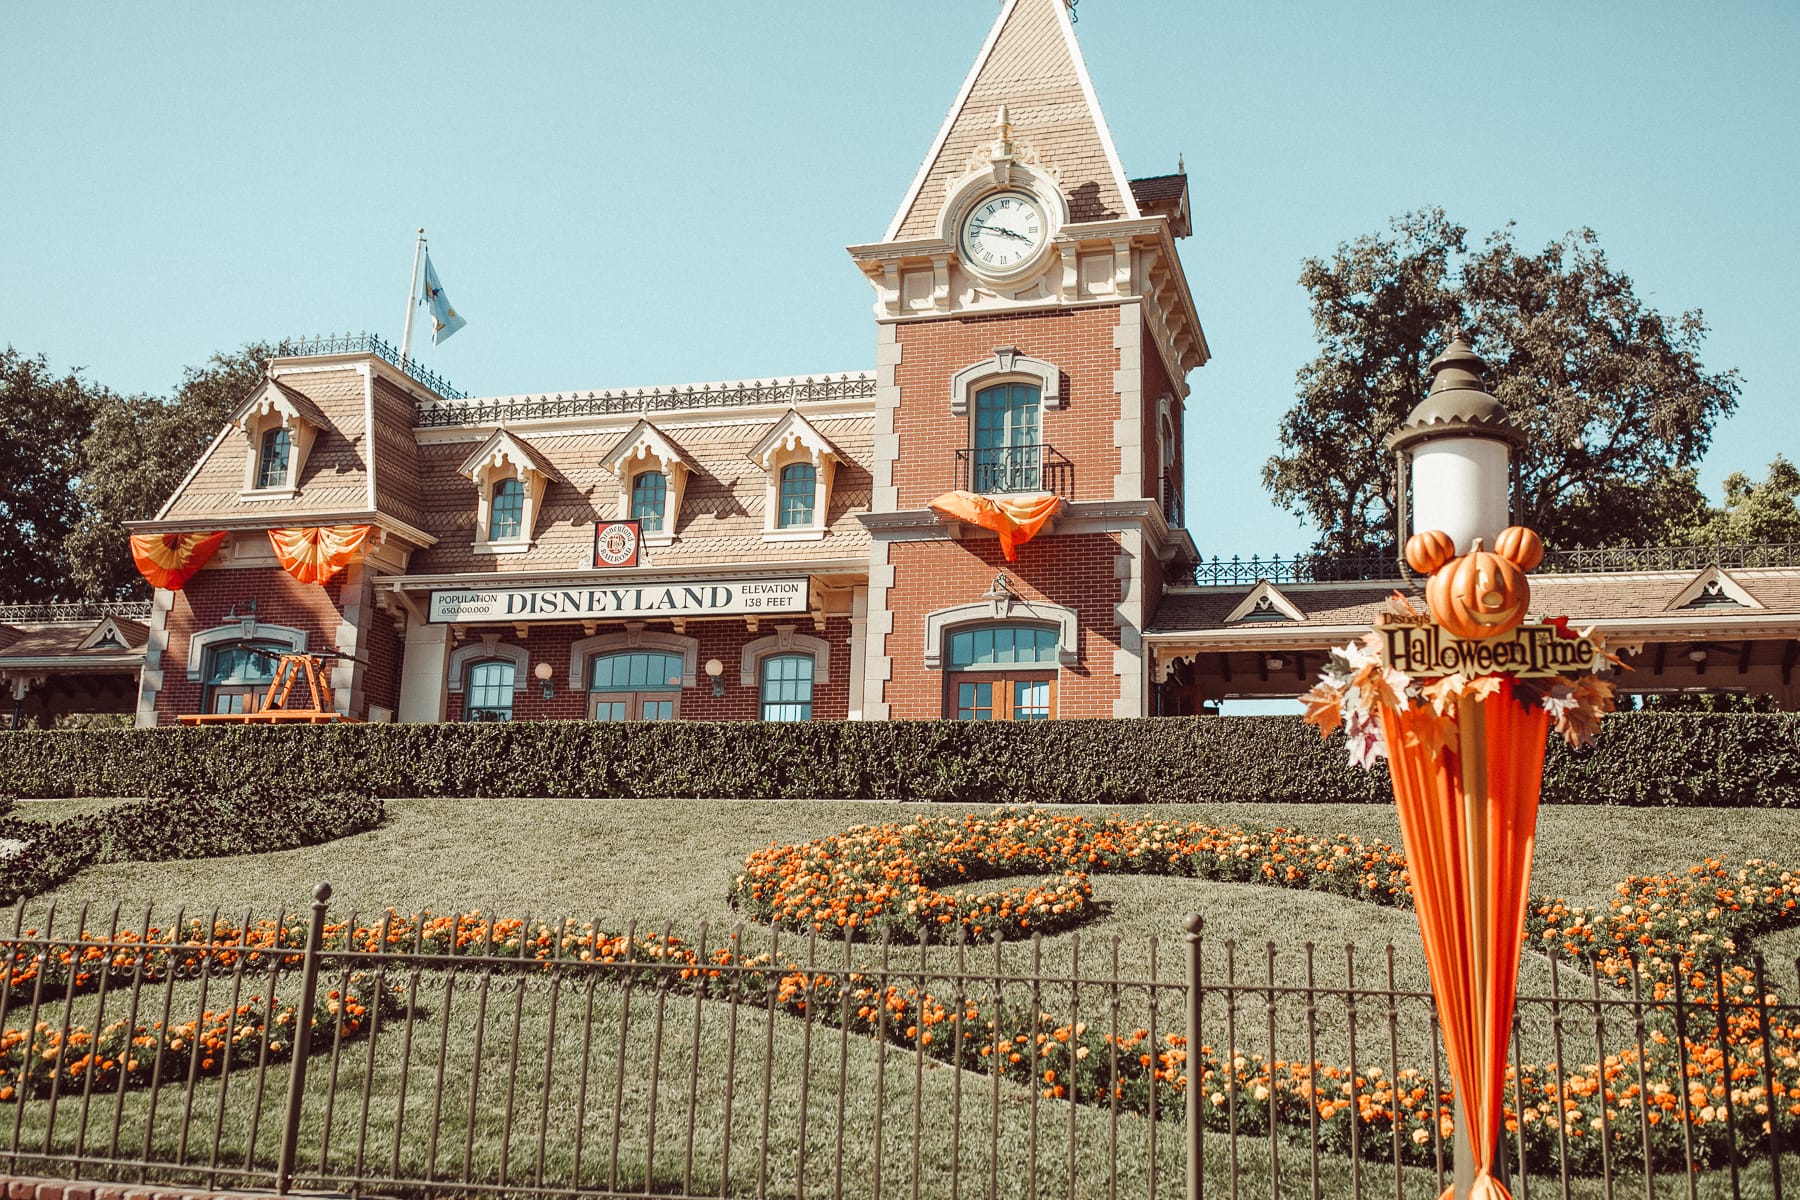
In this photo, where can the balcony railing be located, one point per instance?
(367, 343)
(1320, 568)
(992, 470)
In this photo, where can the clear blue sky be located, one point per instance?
(623, 195)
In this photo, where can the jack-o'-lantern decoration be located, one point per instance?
(1485, 593)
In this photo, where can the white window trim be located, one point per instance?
(646, 448)
(1001, 610)
(270, 409)
(247, 630)
(793, 440)
(503, 457)
(488, 648)
(1007, 366)
(633, 637)
(783, 641)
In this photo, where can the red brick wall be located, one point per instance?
(1157, 385)
(1080, 341)
(382, 648)
(280, 600)
(723, 640)
(1075, 571)
(25, 1187)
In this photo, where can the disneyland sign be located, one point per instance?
(711, 598)
(1427, 649)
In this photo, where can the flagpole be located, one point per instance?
(412, 299)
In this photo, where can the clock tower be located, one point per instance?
(1035, 334)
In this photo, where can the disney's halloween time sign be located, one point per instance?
(1423, 648)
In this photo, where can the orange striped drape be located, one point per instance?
(169, 560)
(1468, 814)
(1017, 519)
(315, 555)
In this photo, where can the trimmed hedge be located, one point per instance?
(246, 821)
(1641, 759)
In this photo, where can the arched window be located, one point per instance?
(799, 489)
(1001, 673)
(272, 460)
(786, 689)
(237, 676)
(649, 499)
(635, 685)
(1008, 453)
(488, 695)
(506, 517)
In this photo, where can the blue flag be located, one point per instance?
(444, 318)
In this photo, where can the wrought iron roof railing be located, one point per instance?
(76, 610)
(463, 411)
(368, 343)
(1320, 568)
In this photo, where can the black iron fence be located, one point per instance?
(454, 1054)
(76, 610)
(367, 343)
(1352, 568)
(995, 470)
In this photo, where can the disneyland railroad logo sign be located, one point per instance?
(707, 598)
(1459, 699)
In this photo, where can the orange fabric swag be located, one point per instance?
(315, 555)
(1469, 835)
(169, 560)
(1017, 519)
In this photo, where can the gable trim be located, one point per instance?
(1698, 584)
(956, 107)
(1265, 591)
(1127, 197)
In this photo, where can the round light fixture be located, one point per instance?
(543, 670)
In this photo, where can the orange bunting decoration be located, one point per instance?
(1468, 816)
(169, 560)
(315, 555)
(1017, 519)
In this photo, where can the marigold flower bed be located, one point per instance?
(922, 879)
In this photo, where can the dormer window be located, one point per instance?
(800, 464)
(279, 424)
(649, 500)
(653, 473)
(272, 460)
(510, 477)
(799, 492)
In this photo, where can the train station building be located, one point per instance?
(984, 519)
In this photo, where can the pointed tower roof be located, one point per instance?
(1031, 65)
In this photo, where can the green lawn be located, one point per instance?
(612, 862)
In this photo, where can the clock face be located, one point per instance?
(1003, 232)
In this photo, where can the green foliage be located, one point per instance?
(1753, 513)
(1612, 394)
(1641, 758)
(43, 421)
(248, 820)
(139, 449)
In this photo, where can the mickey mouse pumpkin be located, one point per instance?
(1484, 593)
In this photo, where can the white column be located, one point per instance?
(859, 636)
(424, 673)
(150, 675)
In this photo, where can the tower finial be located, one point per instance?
(1003, 134)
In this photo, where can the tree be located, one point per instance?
(139, 450)
(43, 421)
(1753, 513)
(1612, 395)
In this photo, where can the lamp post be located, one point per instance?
(1457, 451)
